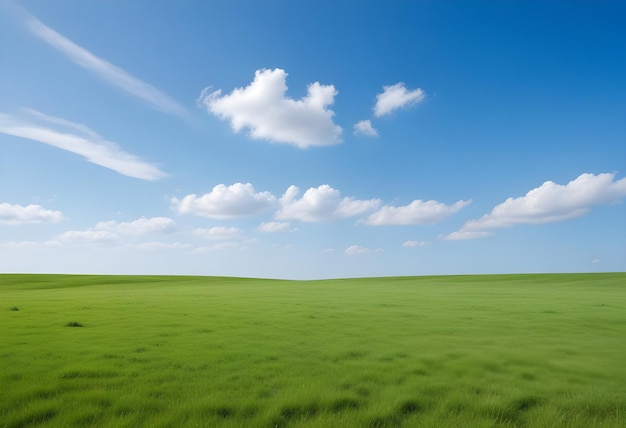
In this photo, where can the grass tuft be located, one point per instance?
(74, 324)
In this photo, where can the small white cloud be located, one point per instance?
(107, 71)
(547, 203)
(594, 261)
(364, 127)
(89, 237)
(321, 203)
(396, 96)
(415, 244)
(218, 233)
(463, 235)
(141, 226)
(356, 249)
(263, 108)
(89, 145)
(417, 212)
(19, 214)
(276, 226)
(226, 202)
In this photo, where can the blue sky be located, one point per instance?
(312, 139)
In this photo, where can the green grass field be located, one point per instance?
(456, 351)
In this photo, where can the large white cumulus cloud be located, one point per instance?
(225, 202)
(321, 203)
(263, 108)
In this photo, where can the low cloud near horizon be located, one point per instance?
(550, 202)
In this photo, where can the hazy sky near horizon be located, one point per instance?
(312, 139)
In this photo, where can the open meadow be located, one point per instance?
(449, 351)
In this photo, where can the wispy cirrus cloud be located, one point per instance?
(104, 69)
(547, 203)
(79, 139)
(264, 109)
(13, 214)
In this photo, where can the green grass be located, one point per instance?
(462, 351)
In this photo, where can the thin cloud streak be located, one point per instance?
(107, 71)
(90, 145)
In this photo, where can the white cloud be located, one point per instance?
(218, 233)
(89, 237)
(364, 127)
(141, 226)
(89, 145)
(19, 214)
(107, 71)
(276, 226)
(396, 96)
(462, 235)
(321, 203)
(225, 202)
(161, 246)
(263, 108)
(594, 261)
(547, 203)
(356, 249)
(410, 244)
(417, 212)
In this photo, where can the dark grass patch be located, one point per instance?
(14, 308)
(223, 412)
(513, 414)
(36, 418)
(88, 374)
(410, 407)
(344, 404)
(525, 403)
(45, 394)
(74, 324)
(295, 414)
